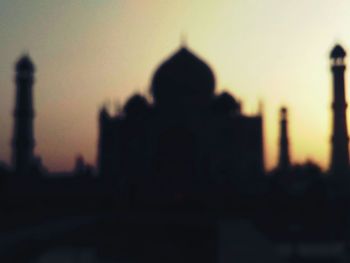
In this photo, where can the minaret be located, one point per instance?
(102, 141)
(283, 161)
(340, 139)
(23, 134)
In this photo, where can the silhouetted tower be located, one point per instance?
(340, 139)
(104, 120)
(284, 161)
(23, 135)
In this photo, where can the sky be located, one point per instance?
(94, 52)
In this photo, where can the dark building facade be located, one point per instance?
(23, 137)
(340, 139)
(186, 142)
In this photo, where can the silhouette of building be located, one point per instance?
(284, 160)
(184, 143)
(23, 136)
(340, 139)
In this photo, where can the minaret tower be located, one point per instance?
(103, 143)
(284, 161)
(23, 134)
(340, 139)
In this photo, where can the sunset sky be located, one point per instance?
(91, 52)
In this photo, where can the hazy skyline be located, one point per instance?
(90, 52)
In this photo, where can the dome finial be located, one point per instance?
(183, 40)
(25, 53)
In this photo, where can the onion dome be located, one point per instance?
(182, 75)
(25, 64)
(225, 103)
(136, 105)
(338, 52)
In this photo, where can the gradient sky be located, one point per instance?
(89, 52)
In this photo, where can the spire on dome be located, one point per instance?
(183, 40)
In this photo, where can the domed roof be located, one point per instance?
(25, 64)
(136, 105)
(338, 52)
(226, 103)
(182, 74)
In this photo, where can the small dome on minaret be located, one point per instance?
(25, 63)
(283, 113)
(338, 52)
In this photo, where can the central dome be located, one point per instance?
(183, 75)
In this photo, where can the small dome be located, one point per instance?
(136, 105)
(183, 74)
(25, 64)
(284, 113)
(338, 52)
(225, 103)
